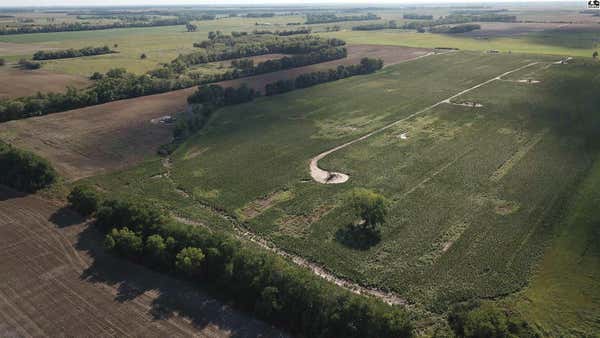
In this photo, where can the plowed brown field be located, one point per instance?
(56, 281)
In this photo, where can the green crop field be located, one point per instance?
(572, 43)
(485, 157)
(474, 190)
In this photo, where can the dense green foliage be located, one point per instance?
(376, 26)
(84, 199)
(475, 320)
(455, 29)
(412, 16)
(77, 26)
(23, 170)
(327, 18)
(366, 66)
(31, 65)
(71, 53)
(221, 47)
(275, 289)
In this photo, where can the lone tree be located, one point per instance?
(595, 54)
(143, 56)
(368, 207)
(191, 27)
(368, 210)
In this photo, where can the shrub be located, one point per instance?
(189, 261)
(143, 56)
(474, 319)
(24, 171)
(84, 200)
(2, 62)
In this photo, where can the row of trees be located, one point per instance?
(376, 26)
(455, 29)
(253, 45)
(410, 16)
(77, 26)
(256, 280)
(330, 17)
(71, 53)
(367, 65)
(23, 170)
(118, 84)
(302, 30)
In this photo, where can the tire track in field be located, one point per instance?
(331, 177)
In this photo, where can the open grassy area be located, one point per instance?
(160, 44)
(568, 42)
(473, 189)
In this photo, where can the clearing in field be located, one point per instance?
(18, 82)
(57, 279)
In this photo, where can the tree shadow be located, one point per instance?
(357, 238)
(165, 296)
(65, 217)
(7, 193)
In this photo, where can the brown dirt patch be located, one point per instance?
(260, 205)
(28, 82)
(56, 281)
(89, 141)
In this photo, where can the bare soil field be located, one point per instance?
(28, 82)
(54, 280)
(103, 138)
(9, 48)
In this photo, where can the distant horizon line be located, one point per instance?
(427, 3)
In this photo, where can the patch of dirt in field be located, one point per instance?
(18, 82)
(9, 48)
(443, 243)
(502, 207)
(116, 135)
(194, 152)
(298, 225)
(518, 155)
(257, 207)
(57, 281)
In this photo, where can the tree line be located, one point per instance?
(256, 280)
(366, 66)
(117, 84)
(376, 26)
(77, 26)
(23, 170)
(410, 16)
(330, 17)
(71, 53)
(455, 29)
(245, 45)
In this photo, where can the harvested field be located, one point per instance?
(57, 281)
(9, 48)
(98, 139)
(28, 82)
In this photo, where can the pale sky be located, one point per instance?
(75, 3)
